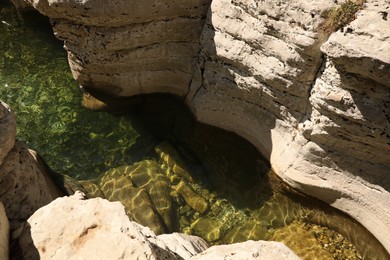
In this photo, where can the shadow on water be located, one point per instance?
(170, 172)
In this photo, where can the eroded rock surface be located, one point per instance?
(25, 185)
(248, 250)
(319, 111)
(97, 228)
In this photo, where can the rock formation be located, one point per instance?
(316, 107)
(4, 233)
(248, 250)
(24, 182)
(99, 229)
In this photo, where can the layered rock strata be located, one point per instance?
(319, 111)
(97, 228)
(25, 185)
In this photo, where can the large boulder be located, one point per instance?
(25, 184)
(75, 228)
(316, 107)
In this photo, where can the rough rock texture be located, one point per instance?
(4, 233)
(153, 51)
(99, 229)
(94, 229)
(24, 182)
(248, 250)
(318, 108)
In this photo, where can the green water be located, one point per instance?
(171, 173)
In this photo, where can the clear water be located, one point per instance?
(216, 185)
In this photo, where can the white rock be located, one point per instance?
(183, 245)
(248, 250)
(69, 228)
(4, 234)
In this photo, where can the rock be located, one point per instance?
(317, 108)
(173, 160)
(92, 229)
(183, 245)
(193, 199)
(248, 250)
(209, 229)
(117, 186)
(135, 38)
(25, 184)
(249, 231)
(4, 234)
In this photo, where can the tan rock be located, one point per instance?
(248, 250)
(4, 234)
(25, 184)
(92, 229)
(183, 245)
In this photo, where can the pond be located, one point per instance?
(170, 172)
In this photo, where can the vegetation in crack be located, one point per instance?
(339, 16)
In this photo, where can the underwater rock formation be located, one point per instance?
(25, 184)
(99, 228)
(317, 108)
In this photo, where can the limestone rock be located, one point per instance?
(94, 229)
(4, 234)
(183, 245)
(154, 50)
(248, 250)
(25, 184)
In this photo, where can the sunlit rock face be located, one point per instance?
(317, 107)
(152, 46)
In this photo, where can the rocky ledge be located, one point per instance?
(99, 229)
(318, 107)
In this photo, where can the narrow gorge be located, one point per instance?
(312, 97)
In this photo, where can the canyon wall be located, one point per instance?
(317, 106)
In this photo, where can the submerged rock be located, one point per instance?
(249, 231)
(307, 247)
(209, 229)
(193, 199)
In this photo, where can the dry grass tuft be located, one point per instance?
(339, 16)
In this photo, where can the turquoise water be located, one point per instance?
(238, 197)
